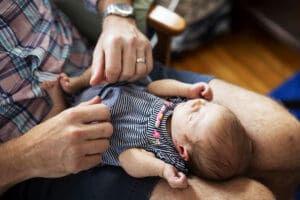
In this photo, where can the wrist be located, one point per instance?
(112, 20)
(162, 170)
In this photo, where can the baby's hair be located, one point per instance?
(224, 156)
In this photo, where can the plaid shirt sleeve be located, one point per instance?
(34, 39)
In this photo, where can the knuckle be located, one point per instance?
(112, 75)
(142, 44)
(105, 111)
(132, 41)
(127, 75)
(74, 133)
(72, 114)
(131, 56)
(117, 40)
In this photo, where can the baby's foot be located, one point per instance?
(67, 83)
(56, 94)
(54, 91)
(200, 90)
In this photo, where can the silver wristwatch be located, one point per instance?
(120, 9)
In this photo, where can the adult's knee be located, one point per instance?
(251, 189)
(236, 189)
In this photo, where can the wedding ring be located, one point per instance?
(141, 60)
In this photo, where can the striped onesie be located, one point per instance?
(133, 116)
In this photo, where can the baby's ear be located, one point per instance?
(183, 152)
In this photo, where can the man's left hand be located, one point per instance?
(122, 52)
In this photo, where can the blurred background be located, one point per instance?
(252, 43)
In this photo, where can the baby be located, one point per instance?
(158, 137)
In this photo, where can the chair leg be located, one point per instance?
(163, 48)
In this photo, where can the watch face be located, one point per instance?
(123, 9)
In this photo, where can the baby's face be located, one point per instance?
(192, 119)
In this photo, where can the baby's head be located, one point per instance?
(211, 139)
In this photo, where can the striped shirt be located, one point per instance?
(133, 115)
(35, 39)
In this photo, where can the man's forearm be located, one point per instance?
(275, 132)
(14, 165)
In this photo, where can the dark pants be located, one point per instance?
(97, 183)
(160, 71)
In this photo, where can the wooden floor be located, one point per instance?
(248, 58)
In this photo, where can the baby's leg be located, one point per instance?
(56, 94)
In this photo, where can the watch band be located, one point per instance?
(119, 9)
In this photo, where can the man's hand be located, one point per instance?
(70, 142)
(120, 52)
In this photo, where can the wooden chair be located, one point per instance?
(167, 24)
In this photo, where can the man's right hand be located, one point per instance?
(70, 142)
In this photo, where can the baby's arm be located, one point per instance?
(140, 163)
(171, 87)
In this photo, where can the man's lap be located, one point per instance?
(100, 182)
(160, 71)
(97, 183)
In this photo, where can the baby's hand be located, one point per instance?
(201, 90)
(175, 179)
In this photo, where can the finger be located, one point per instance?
(113, 62)
(93, 147)
(149, 58)
(97, 130)
(90, 113)
(129, 57)
(144, 61)
(141, 66)
(97, 67)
